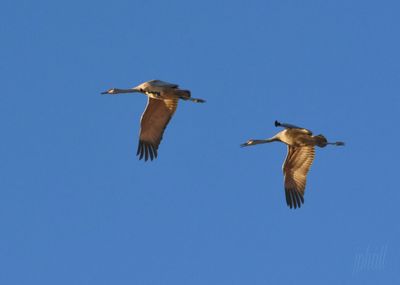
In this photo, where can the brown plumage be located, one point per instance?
(300, 156)
(161, 105)
(295, 168)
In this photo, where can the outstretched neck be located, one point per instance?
(255, 142)
(116, 90)
(273, 139)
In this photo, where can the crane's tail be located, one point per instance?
(321, 141)
(197, 100)
(185, 95)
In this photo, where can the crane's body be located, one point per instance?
(300, 137)
(301, 151)
(162, 102)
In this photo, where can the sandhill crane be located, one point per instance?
(299, 158)
(161, 105)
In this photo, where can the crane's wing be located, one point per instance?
(159, 83)
(295, 168)
(154, 120)
(290, 126)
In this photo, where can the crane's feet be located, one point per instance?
(197, 100)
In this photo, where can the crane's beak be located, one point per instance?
(246, 143)
(105, 92)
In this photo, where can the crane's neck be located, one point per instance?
(118, 91)
(273, 139)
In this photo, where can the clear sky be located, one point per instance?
(78, 207)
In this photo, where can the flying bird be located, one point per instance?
(161, 105)
(300, 155)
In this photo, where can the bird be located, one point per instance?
(161, 105)
(300, 155)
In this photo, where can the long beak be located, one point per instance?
(105, 92)
(245, 144)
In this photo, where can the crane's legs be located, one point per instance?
(336, 143)
(196, 100)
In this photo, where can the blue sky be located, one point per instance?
(76, 205)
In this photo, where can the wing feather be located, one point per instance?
(159, 83)
(290, 126)
(154, 120)
(295, 168)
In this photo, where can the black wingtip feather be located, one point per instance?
(155, 152)
(139, 148)
(294, 199)
(146, 150)
(151, 153)
(288, 201)
(296, 195)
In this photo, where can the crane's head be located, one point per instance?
(255, 142)
(110, 91)
(248, 143)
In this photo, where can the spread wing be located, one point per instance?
(295, 168)
(154, 120)
(290, 126)
(159, 83)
